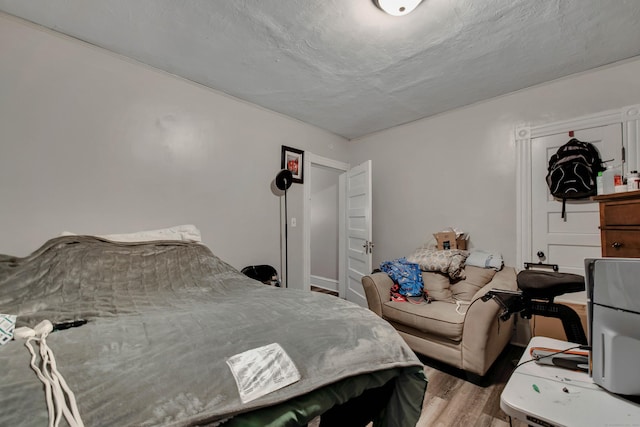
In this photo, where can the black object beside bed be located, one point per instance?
(163, 317)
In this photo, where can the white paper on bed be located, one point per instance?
(262, 370)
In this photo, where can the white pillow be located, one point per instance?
(187, 233)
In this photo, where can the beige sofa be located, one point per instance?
(458, 328)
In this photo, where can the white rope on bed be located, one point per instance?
(54, 383)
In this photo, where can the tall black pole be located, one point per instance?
(283, 182)
(286, 242)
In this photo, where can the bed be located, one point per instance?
(164, 318)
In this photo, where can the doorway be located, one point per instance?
(354, 225)
(325, 233)
(324, 214)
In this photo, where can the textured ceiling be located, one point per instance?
(344, 65)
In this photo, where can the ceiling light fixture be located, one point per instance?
(397, 7)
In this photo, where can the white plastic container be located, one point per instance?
(633, 181)
(611, 177)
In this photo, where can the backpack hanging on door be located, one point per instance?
(573, 170)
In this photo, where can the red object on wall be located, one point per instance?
(292, 165)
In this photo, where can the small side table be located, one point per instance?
(548, 396)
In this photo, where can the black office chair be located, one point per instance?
(262, 273)
(538, 289)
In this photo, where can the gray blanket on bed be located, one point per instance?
(163, 317)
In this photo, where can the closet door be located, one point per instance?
(567, 242)
(540, 226)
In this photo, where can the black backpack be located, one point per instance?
(573, 170)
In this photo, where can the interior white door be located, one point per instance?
(358, 230)
(554, 240)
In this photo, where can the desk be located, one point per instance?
(534, 394)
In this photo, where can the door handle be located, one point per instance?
(368, 247)
(617, 245)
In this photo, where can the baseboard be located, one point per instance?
(324, 283)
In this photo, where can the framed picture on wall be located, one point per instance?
(293, 160)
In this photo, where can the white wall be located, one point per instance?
(458, 169)
(95, 143)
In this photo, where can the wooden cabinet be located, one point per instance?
(620, 224)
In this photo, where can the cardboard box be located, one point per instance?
(448, 240)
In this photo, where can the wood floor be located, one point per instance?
(454, 400)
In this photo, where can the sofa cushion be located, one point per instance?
(438, 318)
(477, 277)
(450, 261)
(437, 286)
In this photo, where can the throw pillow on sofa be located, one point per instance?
(438, 286)
(450, 261)
(476, 279)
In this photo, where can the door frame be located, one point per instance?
(314, 159)
(628, 117)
